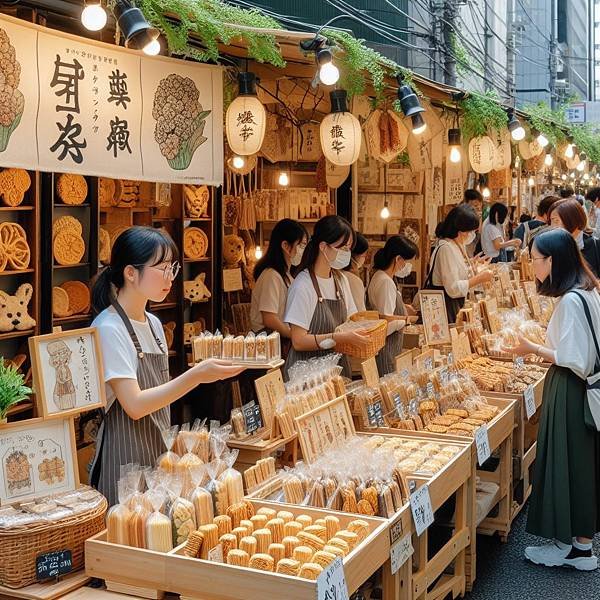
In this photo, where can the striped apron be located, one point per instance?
(386, 359)
(327, 316)
(121, 439)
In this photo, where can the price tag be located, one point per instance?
(404, 374)
(331, 583)
(53, 564)
(444, 375)
(519, 363)
(420, 506)
(375, 414)
(430, 392)
(400, 552)
(398, 405)
(450, 359)
(216, 554)
(428, 363)
(252, 417)
(530, 407)
(482, 442)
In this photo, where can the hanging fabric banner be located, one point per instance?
(102, 110)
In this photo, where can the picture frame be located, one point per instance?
(68, 373)
(435, 318)
(38, 457)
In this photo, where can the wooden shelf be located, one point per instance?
(20, 408)
(163, 306)
(196, 260)
(15, 208)
(16, 334)
(19, 272)
(80, 265)
(198, 219)
(163, 220)
(72, 319)
(63, 205)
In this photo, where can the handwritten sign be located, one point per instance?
(400, 552)
(435, 317)
(232, 280)
(530, 407)
(53, 564)
(422, 511)
(252, 417)
(331, 583)
(482, 442)
(216, 554)
(269, 391)
(397, 402)
(375, 414)
(404, 361)
(370, 373)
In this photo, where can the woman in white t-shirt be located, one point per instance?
(493, 243)
(391, 261)
(565, 501)
(273, 278)
(135, 356)
(353, 271)
(319, 299)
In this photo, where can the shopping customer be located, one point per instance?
(526, 231)
(493, 242)
(273, 277)
(450, 269)
(570, 215)
(142, 268)
(393, 260)
(354, 270)
(474, 200)
(565, 501)
(319, 299)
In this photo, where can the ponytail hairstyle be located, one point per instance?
(139, 247)
(329, 229)
(361, 246)
(460, 218)
(397, 245)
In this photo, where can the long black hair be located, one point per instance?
(145, 246)
(568, 270)
(397, 245)
(329, 229)
(460, 218)
(361, 245)
(286, 230)
(498, 213)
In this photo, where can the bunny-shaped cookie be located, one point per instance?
(13, 309)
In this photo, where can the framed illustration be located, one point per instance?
(435, 318)
(68, 376)
(37, 458)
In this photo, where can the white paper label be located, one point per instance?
(422, 512)
(482, 443)
(400, 552)
(529, 402)
(450, 359)
(216, 554)
(331, 583)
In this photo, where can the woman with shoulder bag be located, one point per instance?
(565, 501)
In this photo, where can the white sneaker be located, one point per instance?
(555, 555)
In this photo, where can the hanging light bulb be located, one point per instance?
(541, 139)
(385, 212)
(485, 192)
(563, 177)
(548, 160)
(418, 124)
(570, 150)
(572, 175)
(258, 253)
(586, 176)
(284, 180)
(238, 162)
(152, 48)
(328, 72)
(454, 143)
(93, 16)
(582, 161)
(136, 30)
(531, 182)
(517, 130)
(411, 106)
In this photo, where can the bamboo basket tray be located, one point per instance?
(196, 578)
(20, 546)
(377, 334)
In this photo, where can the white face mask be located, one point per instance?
(405, 271)
(470, 238)
(341, 260)
(297, 258)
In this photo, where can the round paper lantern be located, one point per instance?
(340, 132)
(335, 175)
(535, 148)
(246, 118)
(482, 153)
(503, 156)
(525, 150)
(572, 162)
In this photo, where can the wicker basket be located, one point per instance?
(20, 546)
(377, 335)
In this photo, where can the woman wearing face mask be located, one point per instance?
(319, 299)
(273, 277)
(569, 215)
(565, 501)
(450, 269)
(493, 243)
(354, 269)
(391, 261)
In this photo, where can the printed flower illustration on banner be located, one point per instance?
(12, 101)
(180, 120)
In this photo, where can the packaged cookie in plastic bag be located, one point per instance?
(182, 511)
(200, 497)
(168, 461)
(117, 517)
(232, 479)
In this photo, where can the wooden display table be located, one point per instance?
(253, 450)
(49, 590)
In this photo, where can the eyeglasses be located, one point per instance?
(540, 258)
(169, 271)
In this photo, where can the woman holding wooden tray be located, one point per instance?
(565, 500)
(391, 261)
(320, 299)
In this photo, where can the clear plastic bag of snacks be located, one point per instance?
(201, 498)
(117, 517)
(232, 479)
(168, 461)
(159, 535)
(181, 512)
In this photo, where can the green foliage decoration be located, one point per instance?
(12, 388)
(552, 123)
(482, 112)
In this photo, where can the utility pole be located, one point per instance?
(487, 66)
(553, 58)
(511, 52)
(449, 13)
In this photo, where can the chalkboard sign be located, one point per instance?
(398, 405)
(375, 414)
(53, 564)
(252, 417)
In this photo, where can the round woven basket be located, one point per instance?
(377, 334)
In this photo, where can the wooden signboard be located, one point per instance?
(404, 361)
(269, 391)
(435, 318)
(369, 372)
(232, 280)
(461, 347)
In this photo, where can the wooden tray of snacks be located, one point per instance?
(194, 578)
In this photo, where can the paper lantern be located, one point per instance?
(482, 153)
(335, 175)
(246, 118)
(340, 132)
(503, 156)
(525, 150)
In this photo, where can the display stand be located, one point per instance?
(50, 590)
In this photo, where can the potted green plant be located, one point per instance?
(12, 389)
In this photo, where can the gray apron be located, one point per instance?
(121, 439)
(327, 316)
(386, 359)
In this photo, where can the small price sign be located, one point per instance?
(400, 552)
(430, 391)
(482, 443)
(530, 407)
(428, 363)
(404, 373)
(519, 363)
(420, 506)
(252, 417)
(53, 564)
(216, 554)
(398, 405)
(450, 359)
(331, 583)
(375, 414)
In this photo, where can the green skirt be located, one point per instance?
(565, 500)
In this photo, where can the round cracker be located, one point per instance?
(60, 303)
(68, 247)
(79, 296)
(72, 189)
(68, 223)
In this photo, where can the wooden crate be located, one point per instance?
(136, 569)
